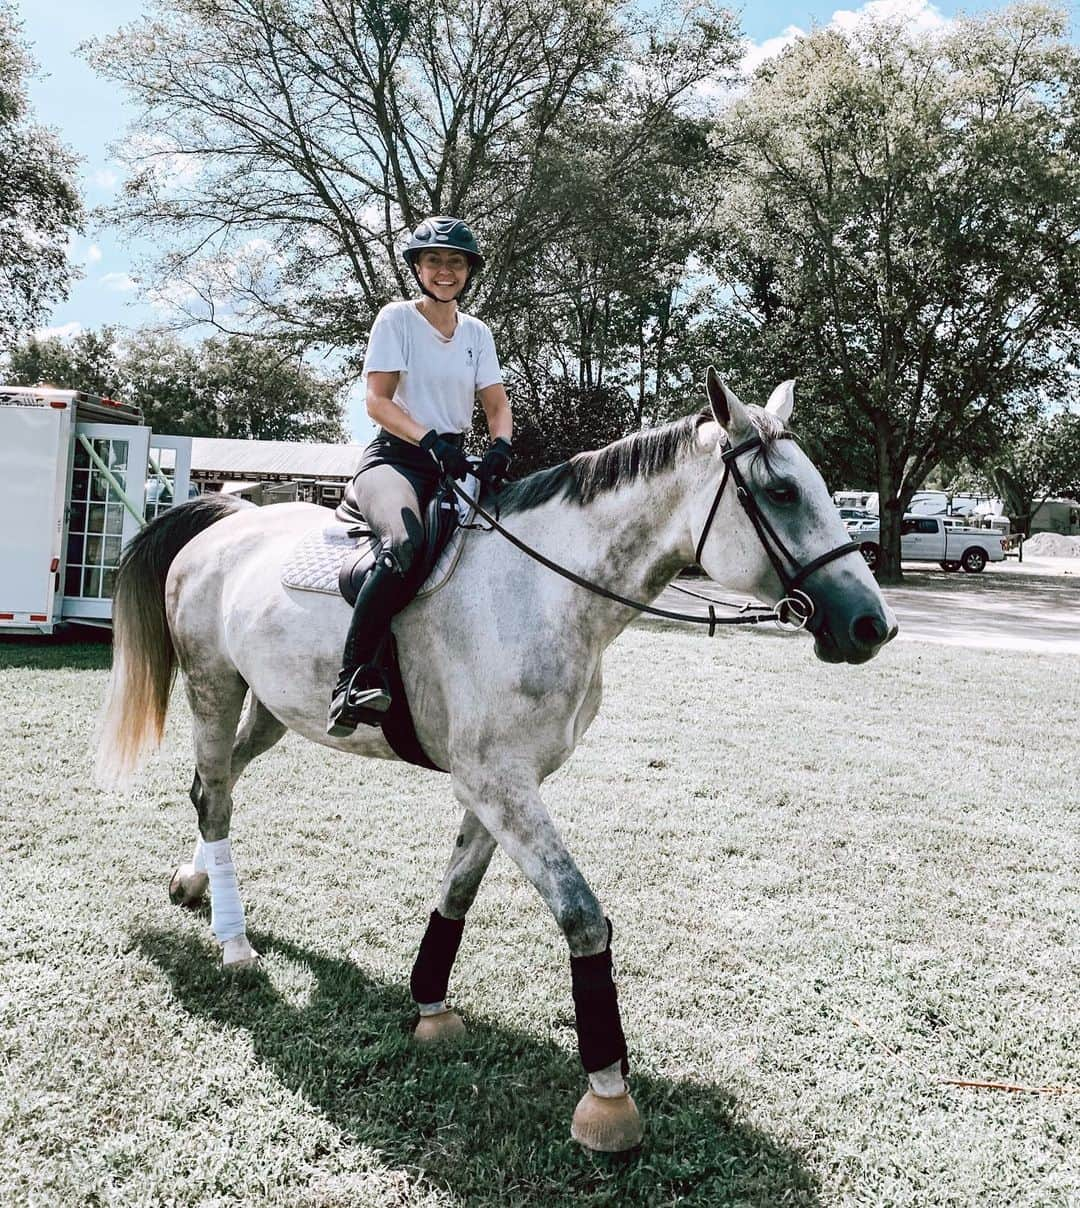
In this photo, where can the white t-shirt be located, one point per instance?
(439, 377)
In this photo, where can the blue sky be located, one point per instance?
(90, 113)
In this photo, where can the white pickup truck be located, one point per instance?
(936, 539)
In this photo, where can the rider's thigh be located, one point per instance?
(391, 505)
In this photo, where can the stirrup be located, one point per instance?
(356, 702)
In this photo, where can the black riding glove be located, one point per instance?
(496, 464)
(448, 457)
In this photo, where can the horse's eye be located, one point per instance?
(781, 493)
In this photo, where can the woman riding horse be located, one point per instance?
(426, 364)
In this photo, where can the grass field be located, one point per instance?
(804, 864)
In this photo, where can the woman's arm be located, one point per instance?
(496, 406)
(385, 412)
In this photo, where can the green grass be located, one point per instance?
(783, 847)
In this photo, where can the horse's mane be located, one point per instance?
(639, 455)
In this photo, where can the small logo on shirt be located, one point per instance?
(468, 355)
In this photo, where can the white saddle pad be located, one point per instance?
(316, 560)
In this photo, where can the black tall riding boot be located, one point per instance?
(361, 694)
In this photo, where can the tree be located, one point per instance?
(227, 387)
(283, 148)
(88, 361)
(554, 419)
(1041, 462)
(904, 218)
(619, 288)
(39, 206)
(249, 390)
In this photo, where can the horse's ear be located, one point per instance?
(782, 401)
(727, 410)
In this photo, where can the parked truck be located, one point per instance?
(936, 539)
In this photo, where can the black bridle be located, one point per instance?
(796, 608)
(794, 611)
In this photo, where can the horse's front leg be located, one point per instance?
(473, 849)
(514, 815)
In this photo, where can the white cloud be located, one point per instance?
(756, 53)
(176, 295)
(106, 178)
(93, 254)
(919, 15)
(170, 168)
(120, 282)
(64, 332)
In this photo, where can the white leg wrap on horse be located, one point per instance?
(226, 909)
(608, 1083)
(198, 859)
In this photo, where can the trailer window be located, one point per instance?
(96, 521)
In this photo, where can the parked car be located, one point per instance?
(856, 517)
(861, 525)
(932, 539)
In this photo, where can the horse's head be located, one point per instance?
(771, 529)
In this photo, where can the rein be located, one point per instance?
(793, 612)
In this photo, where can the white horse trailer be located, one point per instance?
(74, 470)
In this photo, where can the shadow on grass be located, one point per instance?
(489, 1119)
(76, 647)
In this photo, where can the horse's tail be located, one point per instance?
(144, 662)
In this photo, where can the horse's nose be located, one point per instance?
(871, 630)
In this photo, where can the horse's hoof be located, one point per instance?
(607, 1125)
(434, 1029)
(238, 954)
(188, 887)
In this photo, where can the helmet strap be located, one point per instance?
(428, 294)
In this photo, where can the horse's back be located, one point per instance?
(227, 580)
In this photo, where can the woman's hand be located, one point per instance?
(496, 463)
(448, 457)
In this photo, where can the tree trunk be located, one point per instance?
(890, 512)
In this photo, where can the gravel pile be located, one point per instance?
(1053, 545)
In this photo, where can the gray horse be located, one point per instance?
(502, 667)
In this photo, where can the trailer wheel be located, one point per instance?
(871, 553)
(973, 560)
(950, 565)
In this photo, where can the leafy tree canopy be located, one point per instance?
(39, 205)
(226, 386)
(901, 232)
(1040, 462)
(282, 151)
(554, 419)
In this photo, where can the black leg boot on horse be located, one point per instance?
(361, 695)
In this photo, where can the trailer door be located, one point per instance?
(168, 473)
(108, 489)
(33, 474)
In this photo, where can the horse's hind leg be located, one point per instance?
(258, 732)
(216, 693)
(431, 972)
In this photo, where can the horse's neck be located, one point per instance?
(632, 540)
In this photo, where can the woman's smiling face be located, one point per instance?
(443, 271)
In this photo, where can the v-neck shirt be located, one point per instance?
(439, 376)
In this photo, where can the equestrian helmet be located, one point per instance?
(443, 232)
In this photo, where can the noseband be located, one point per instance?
(796, 609)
